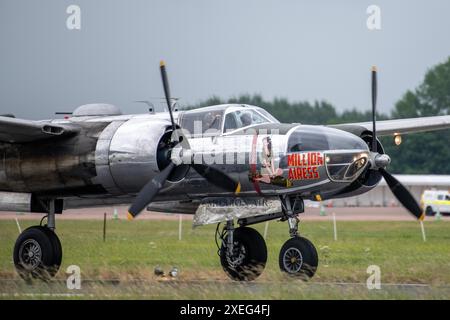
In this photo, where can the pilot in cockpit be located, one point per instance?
(212, 120)
(246, 119)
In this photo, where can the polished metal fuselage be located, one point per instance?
(112, 157)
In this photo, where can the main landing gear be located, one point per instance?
(243, 252)
(38, 251)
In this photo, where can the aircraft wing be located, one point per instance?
(410, 125)
(14, 130)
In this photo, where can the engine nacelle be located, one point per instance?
(126, 156)
(26, 202)
(366, 182)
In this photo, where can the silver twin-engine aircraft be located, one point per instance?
(232, 165)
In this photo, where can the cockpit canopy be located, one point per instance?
(318, 138)
(223, 119)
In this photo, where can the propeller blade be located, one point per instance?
(165, 82)
(402, 194)
(374, 108)
(217, 178)
(149, 191)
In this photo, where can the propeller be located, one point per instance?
(374, 109)
(402, 194)
(381, 161)
(162, 67)
(151, 189)
(217, 177)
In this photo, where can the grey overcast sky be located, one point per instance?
(300, 50)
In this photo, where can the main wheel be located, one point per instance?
(37, 253)
(57, 252)
(298, 257)
(249, 256)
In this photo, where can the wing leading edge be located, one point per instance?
(402, 126)
(20, 131)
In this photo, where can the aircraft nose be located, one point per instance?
(344, 154)
(316, 138)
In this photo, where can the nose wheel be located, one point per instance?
(298, 258)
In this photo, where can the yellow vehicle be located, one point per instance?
(434, 201)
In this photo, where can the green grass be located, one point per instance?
(133, 249)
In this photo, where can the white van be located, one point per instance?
(433, 201)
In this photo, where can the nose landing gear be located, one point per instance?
(298, 256)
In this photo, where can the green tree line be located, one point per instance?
(419, 153)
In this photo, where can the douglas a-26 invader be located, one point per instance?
(234, 165)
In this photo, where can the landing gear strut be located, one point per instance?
(298, 256)
(38, 251)
(243, 253)
(293, 226)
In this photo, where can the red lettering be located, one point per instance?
(315, 173)
(291, 160)
(313, 159)
(309, 173)
(319, 160)
(304, 166)
(298, 173)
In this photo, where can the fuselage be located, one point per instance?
(112, 157)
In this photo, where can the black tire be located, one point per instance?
(298, 258)
(429, 211)
(57, 252)
(34, 254)
(251, 247)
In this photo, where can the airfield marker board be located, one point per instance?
(322, 210)
(266, 227)
(18, 226)
(438, 215)
(423, 231)
(104, 227)
(334, 227)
